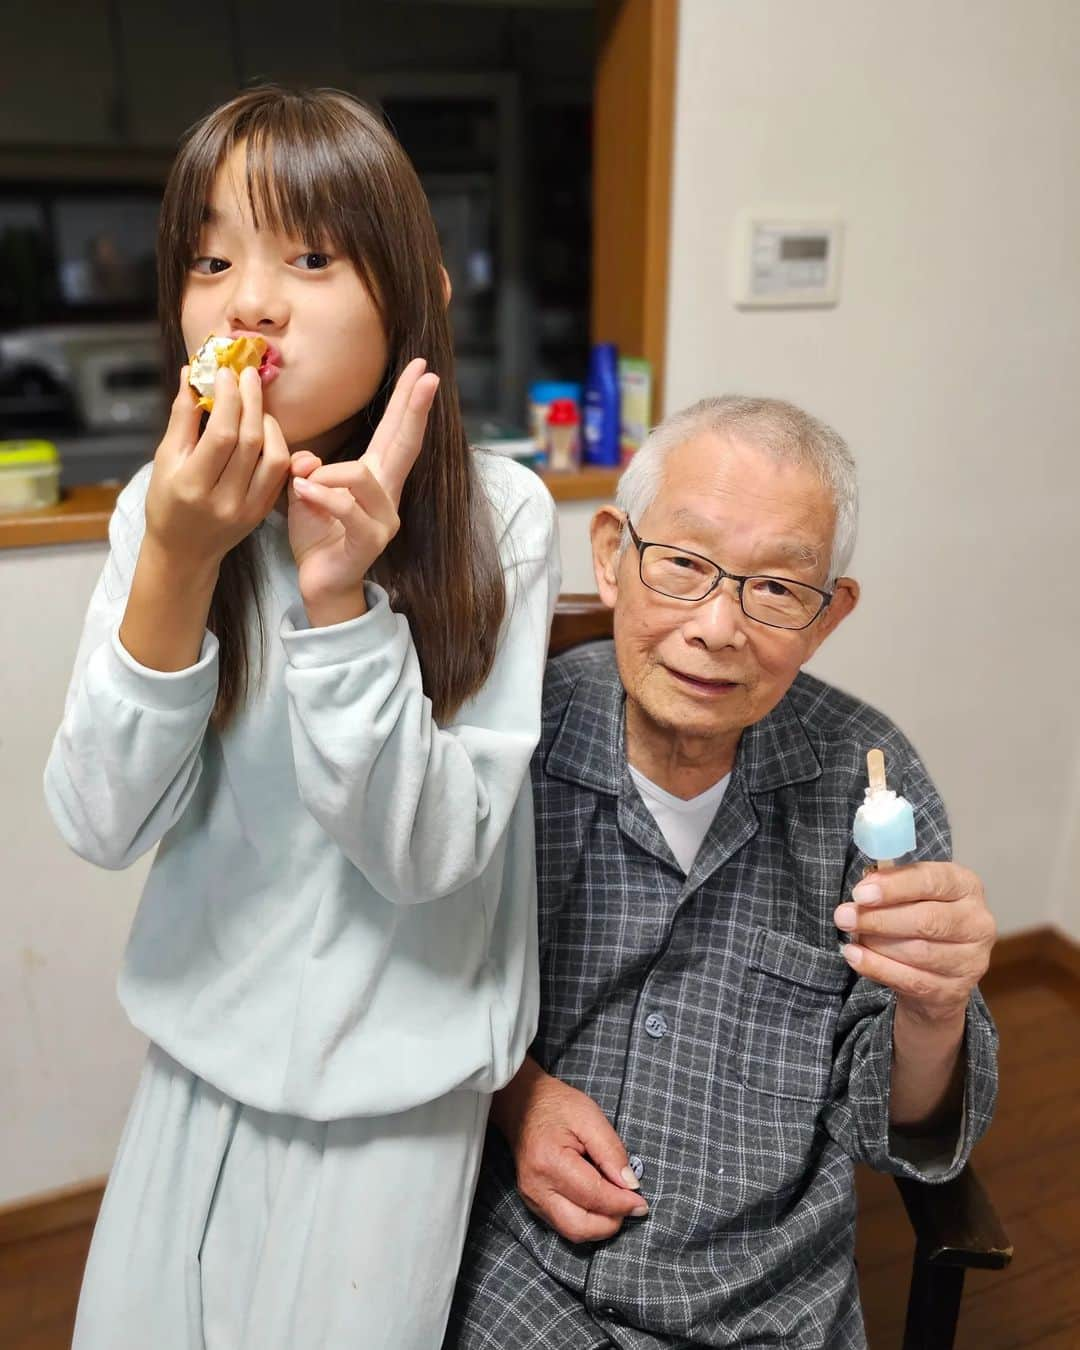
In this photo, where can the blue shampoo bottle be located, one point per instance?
(601, 415)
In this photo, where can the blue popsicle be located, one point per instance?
(885, 823)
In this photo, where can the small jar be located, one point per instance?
(29, 475)
(563, 436)
(542, 393)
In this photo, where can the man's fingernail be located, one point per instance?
(851, 954)
(640, 1211)
(845, 917)
(631, 1180)
(866, 892)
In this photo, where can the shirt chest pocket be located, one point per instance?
(788, 1010)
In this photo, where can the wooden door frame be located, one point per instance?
(633, 137)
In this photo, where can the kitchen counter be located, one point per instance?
(83, 512)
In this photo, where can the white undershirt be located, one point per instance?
(683, 824)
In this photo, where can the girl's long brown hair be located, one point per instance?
(323, 167)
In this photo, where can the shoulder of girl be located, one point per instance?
(518, 497)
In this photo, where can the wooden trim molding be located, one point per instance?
(52, 1211)
(634, 115)
(1045, 946)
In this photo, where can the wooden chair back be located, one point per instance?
(578, 618)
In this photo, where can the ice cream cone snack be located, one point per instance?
(215, 352)
(885, 823)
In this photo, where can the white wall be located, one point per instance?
(577, 570)
(68, 1058)
(943, 132)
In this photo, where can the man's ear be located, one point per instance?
(605, 531)
(447, 289)
(845, 598)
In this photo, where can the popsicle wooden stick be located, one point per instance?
(875, 769)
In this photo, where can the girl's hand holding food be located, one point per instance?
(343, 516)
(209, 491)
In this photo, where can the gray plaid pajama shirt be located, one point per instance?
(713, 1019)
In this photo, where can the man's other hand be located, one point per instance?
(572, 1169)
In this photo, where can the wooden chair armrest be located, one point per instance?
(955, 1223)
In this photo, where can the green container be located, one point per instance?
(29, 475)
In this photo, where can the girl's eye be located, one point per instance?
(312, 262)
(209, 266)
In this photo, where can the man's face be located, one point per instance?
(704, 671)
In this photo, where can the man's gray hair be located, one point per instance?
(768, 424)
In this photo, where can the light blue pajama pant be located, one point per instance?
(228, 1228)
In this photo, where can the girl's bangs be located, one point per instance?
(300, 189)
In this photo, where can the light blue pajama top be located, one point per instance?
(340, 919)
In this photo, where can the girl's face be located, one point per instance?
(310, 305)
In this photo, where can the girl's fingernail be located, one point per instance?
(301, 487)
(866, 893)
(851, 954)
(845, 916)
(640, 1211)
(631, 1180)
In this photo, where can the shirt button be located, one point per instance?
(636, 1166)
(656, 1025)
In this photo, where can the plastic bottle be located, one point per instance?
(563, 441)
(542, 393)
(601, 400)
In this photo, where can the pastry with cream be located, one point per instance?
(215, 352)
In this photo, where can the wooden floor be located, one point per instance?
(1029, 1163)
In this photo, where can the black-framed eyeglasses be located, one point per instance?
(679, 574)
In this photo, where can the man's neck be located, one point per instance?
(685, 766)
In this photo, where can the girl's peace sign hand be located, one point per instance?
(342, 516)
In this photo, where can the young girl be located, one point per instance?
(310, 674)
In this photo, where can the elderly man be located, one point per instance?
(731, 1014)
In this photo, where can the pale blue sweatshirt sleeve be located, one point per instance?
(418, 808)
(126, 758)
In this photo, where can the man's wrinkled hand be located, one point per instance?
(923, 930)
(572, 1169)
